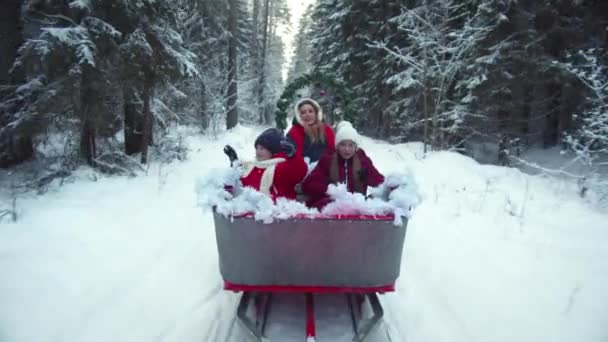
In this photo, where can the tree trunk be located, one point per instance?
(272, 27)
(425, 111)
(205, 119)
(425, 104)
(146, 138)
(232, 118)
(133, 122)
(255, 51)
(10, 37)
(384, 121)
(551, 132)
(255, 40)
(262, 65)
(525, 114)
(255, 26)
(88, 148)
(204, 105)
(19, 146)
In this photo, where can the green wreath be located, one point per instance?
(320, 80)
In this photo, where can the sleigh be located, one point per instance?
(358, 256)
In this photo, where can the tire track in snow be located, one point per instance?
(188, 314)
(224, 327)
(428, 304)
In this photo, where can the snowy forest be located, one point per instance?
(91, 69)
(487, 124)
(109, 79)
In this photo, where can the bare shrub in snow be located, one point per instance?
(170, 147)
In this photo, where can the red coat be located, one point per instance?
(315, 185)
(286, 175)
(305, 148)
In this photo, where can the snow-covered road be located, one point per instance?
(491, 254)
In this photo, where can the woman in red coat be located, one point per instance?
(348, 164)
(277, 168)
(310, 135)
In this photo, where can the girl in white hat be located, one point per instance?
(347, 164)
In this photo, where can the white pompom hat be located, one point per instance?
(313, 103)
(346, 131)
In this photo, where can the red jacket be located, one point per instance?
(286, 175)
(305, 148)
(315, 185)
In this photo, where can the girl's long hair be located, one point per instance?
(316, 131)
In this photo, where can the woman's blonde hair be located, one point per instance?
(316, 131)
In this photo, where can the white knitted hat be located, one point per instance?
(346, 131)
(313, 103)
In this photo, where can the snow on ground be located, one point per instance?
(491, 254)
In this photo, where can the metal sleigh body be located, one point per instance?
(359, 256)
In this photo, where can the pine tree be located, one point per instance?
(88, 49)
(265, 56)
(15, 139)
(71, 51)
(331, 49)
(440, 62)
(153, 54)
(590, 140)
(301, 61)
(232, 118)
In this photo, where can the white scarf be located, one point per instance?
(269, 167)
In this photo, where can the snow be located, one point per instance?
(73, 37)
(101, 28)
(491, 254)
(80, 4)
(352, 204)
(30, 86)
(212, 193)
(400, 202)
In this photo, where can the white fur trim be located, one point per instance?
(314, 104)
(346, 131)
(269, 167)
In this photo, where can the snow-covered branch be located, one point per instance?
(440, 59)
(590, 141)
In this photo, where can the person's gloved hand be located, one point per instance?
(363, 173)
(231, 153)
(288, 148)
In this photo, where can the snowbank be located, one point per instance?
(491, 254)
